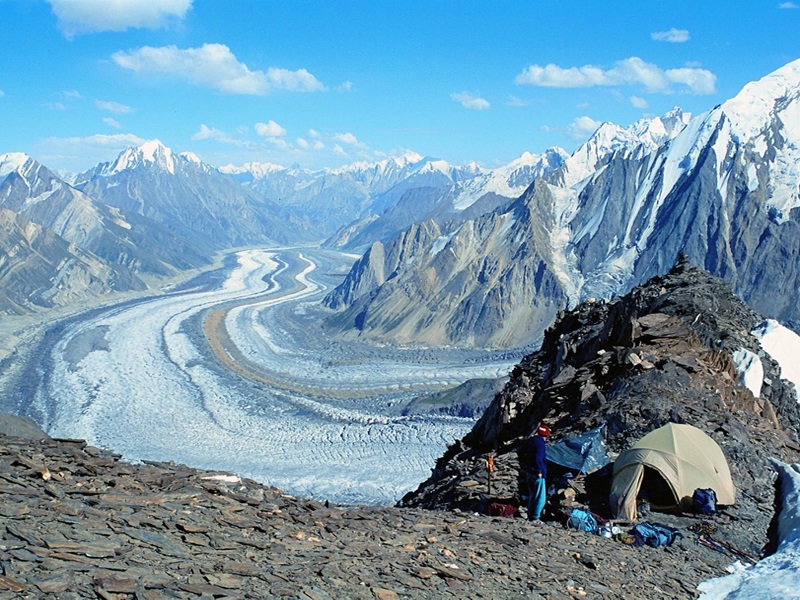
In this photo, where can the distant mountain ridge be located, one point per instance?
(722, 187)
(152, 212)
(189, 198)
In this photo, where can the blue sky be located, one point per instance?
(324, 83)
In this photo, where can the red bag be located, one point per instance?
(498, 509)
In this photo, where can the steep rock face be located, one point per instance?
(382, 262)
(490, 282)
(663, 353)
(724, 191)
(39, 269)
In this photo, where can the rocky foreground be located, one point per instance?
(77, 522)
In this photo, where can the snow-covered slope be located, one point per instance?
(510, 180)
(723, 191)
(640, 139)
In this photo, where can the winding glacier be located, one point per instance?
(314, 419)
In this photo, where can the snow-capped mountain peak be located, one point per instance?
(640, 139)
(751, 110)
(152, 151)
(256, 170)
(509, 180)
(191, 157)
(11, 162)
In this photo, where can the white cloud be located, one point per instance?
(112, 122)
(269, 129)
(699, 81)
(471, 101)
(347, 138)
(788, 5)
(2, 93)
(55, 105)
(280, 143)
(318, 145)
(638, 102)
(347, 86)
(100, 140)
(212, 133)
(676, 36)
(76, 17)
(214, 66)
(303, 144)
(631, 70)
(114, 107)
(339, 150)
(72, 94)
(314, 133)
(581, 128)
(514, 101)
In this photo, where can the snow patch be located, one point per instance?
(439, 243)
(11, 162)
(775, 577)
(752, 178)
(750, 370)
(783, 345)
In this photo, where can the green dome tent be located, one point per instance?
(683, 456)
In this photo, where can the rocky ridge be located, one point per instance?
(663, 353)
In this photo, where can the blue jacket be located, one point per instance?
(533, 456)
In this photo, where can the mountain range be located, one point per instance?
(153, 212)
(721, 187)
(452, 255)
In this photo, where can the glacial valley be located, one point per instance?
(234, 371)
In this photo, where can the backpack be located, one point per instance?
(654, 534)
(704, 502)
(582, 520)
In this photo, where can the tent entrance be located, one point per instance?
(655, 490)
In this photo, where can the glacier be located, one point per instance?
(302, 412)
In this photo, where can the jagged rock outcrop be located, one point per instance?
(662, 353)
(493, 281)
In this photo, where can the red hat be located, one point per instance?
(543, 430)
